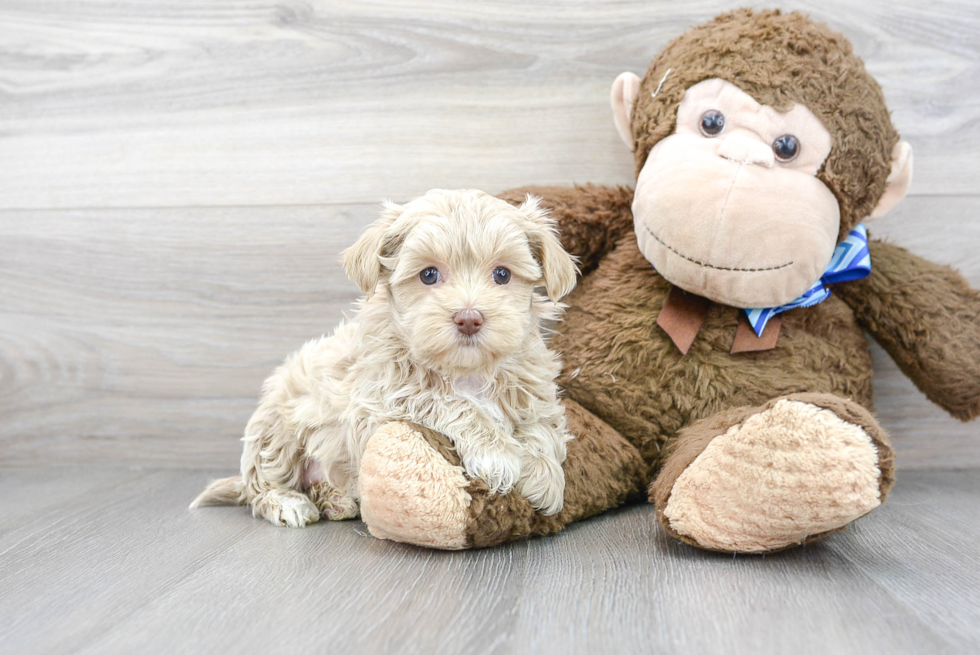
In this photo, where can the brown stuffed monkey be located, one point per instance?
(714, 348)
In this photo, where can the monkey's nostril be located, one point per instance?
(468, 321)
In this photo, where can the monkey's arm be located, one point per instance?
(928, 319)
(591, 218)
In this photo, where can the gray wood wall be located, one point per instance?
(178, 178)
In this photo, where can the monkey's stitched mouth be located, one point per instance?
(707, 265)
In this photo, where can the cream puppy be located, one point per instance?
(448, 336)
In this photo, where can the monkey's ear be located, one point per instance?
(362, 260)
(897, 184)
(557, 266)
(623, 96)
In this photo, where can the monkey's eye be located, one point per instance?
(501, 275)
(786, 148)
(430, 275)
(712, 123)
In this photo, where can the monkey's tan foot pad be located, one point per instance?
(413, 488)
(411, 492)
(755, 480)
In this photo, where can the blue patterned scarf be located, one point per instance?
(851, 261)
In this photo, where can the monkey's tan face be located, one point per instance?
(729, 206)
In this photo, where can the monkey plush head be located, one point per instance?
(760, 142)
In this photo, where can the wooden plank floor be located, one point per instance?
(111, 561)
(177, 179)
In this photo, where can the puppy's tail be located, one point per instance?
(226, 491)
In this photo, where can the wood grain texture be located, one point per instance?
(155, 330)
(177, 181)
(176, 103)
(174, 180)
(143, 336)
(127, 568)
(97, 558)
(945, 515)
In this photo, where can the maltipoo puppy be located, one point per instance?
(448, 336)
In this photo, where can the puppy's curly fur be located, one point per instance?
(405, 356)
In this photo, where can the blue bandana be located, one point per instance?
(851, 261)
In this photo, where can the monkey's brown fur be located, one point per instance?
(630, 374)
(621, 367)
(599, 454)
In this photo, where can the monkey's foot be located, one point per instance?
(755, 480)
(413, 488)
(410, 491)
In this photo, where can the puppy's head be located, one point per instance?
(459, 269)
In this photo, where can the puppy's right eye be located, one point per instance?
(430, 275)
(501, 275)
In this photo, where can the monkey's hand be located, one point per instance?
(928, 319)
(591, 218)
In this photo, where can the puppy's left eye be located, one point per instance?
(430, 275)
(501, 275)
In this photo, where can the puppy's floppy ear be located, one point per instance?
(557, 266)
(362, 260)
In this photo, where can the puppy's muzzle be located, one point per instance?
(468, 321)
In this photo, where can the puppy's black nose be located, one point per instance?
(468, 321)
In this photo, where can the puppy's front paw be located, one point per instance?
(543, 484)
(298, 512)
(498, 466)
(334, 504)
(286, 508)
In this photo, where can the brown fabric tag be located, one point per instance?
(745, 339)
(682, 315)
